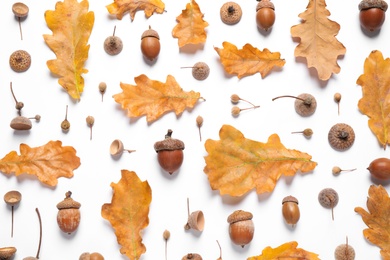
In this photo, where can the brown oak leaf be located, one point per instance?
(154, 98)
(71, 24)
(286, 251)
(235, 165)
(47, 162)
(377, 219)
(191, 26)
(318, 43)
(120, 7)
(128, 213)
(248, 60)
(376, 95)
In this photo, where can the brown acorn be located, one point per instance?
(150, 44)
(290, 210)
(68, 216)
(372, 14)
(241, 227)
(265, 14)
(169, 153)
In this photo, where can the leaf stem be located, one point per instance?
(40, 233)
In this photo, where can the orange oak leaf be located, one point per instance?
(47, 162)
(120, 7)
(191, 26)
(286, 251)
(376, 95)
(128, 213)
(154, 98)
(249, 60)
(71, 24)
(235, 165)
(318, 43)
(377, 219)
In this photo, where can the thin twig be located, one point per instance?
(40, 233)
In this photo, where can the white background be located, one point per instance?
(41, 94)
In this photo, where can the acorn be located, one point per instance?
(290, 210)
(372, 14)
(68, 216)
(241, 227)
(265, 14)
(169, 153)
(150, 44)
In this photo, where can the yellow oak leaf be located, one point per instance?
(154, 98)
(249, 60)
(235, 165)
(377, 219)
(318, 43)
(376, 95)
(71, 24)
(120, 7)
(128, 213)
(286, 251)
(191, 26)
(47, 162)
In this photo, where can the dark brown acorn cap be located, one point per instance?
(68, 202)
(367, 4)
(150, 33)
(341, 136)
(239, 215)
(264, 4)
(290, 199)
(169, 143)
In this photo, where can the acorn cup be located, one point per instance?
(7, 253)
(195, 220)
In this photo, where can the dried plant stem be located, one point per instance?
(20, 29)
(12, 221)
(220, 251)
(40, 233)
(288, 96)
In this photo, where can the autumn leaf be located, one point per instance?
(71, 24)
(120, 7)
(128, 213)
(375, 83)
(377, 219)
(286, 251)
(47, 162)
(249, 60)
(318, 43)
(154, 98)
(191, 26)
(235, 165)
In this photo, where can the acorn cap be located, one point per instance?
(68, 202)
(21, 123)
(239, 215)
(7, 252)
(230, 13)
(367, 4)
(192, 256)
(264, 4)
(169, 143)
(341, 136)
(20, 61)
(150, 33)
(20, 9)
(290, 199)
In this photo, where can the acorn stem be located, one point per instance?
(220, 250)
(12, 221)
(242, 109)
(20, 29)
(40, 233)
(289, 97)
(113, 34)
(129, 151)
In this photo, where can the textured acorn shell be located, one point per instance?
(196, 221)
(7, 253)
(241, 228)
(367, 4)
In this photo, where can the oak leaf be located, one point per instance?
(286, 251)
(376, 95)
(71, 24)
(318, 43)
(191, 26)
(120, 7)
(128, 213)
(154, 98)
(235, 165)
(377, 219)
(47, 162)
(248, 60)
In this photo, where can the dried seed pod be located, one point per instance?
(341, 137)
(68, 216)
(113, 45)
(91, 256)
(65, 124)
(337, 170)
(241, 227)
(236, 110)
(265, 14)
(195, 220)
(200, 71)
(7, 253)
(380, 168)
(328, 198)
(20, 61)
(305, 104)
(344, 252)
(102, 88)
(12, 198)
(230, 13)
(20, 11)
(372, 14)
(150, 44)
(307, 132)
(192, 256)
(290, 210)
(337, 99)
(117, 148)
(90, 121)
(235, 99)
(166, 236)
(170, 153)
(199, 123)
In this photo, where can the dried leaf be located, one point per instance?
(235, 165)
(47, 162)
(375, 101)
(286, 251)
(249, 60)
(377, 219)
(318, 43)
(154, 98)
(120, 7)
(128, 213)
(191, 26)
(71, 24)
